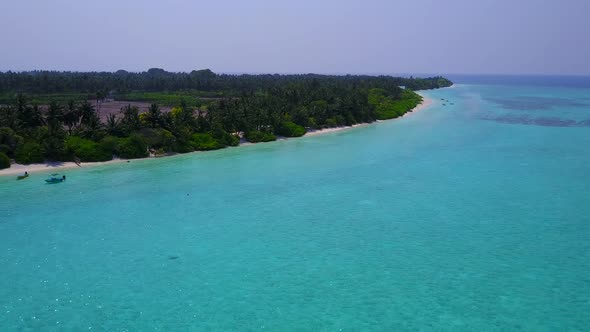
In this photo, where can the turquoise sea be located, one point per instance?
(473, 216)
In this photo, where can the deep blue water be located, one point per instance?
(471, 216)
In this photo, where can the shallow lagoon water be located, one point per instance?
(472, 216)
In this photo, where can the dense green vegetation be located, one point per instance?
(256, 136)
(46, 98)
(389, 106)
(87, 150)
(51, 115)
(290, 129)
(158, 80)
(4, 161)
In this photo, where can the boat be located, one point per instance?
(55, 178)
(21, 177)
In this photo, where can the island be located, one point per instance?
(50, 116)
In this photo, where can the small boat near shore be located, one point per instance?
(22, 177)
(55, 178)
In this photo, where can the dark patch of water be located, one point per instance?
(538, 121)
(535, 103)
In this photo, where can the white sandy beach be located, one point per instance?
(426, 102)
(17, 169)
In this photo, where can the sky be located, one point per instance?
(304, 36)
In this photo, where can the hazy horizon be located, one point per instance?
(448, 75)
(424, 37)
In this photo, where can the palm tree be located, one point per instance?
(9, 118)
(113, 126)
(89, 120)
(29, 116)
(35, 116)
(87, 113)
(130, 120)
(55, 116)
(187, 115)
(154, 116)
(71, 117)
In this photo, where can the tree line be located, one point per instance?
(255, 108)
(156, 79)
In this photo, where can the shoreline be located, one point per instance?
(17, 169)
